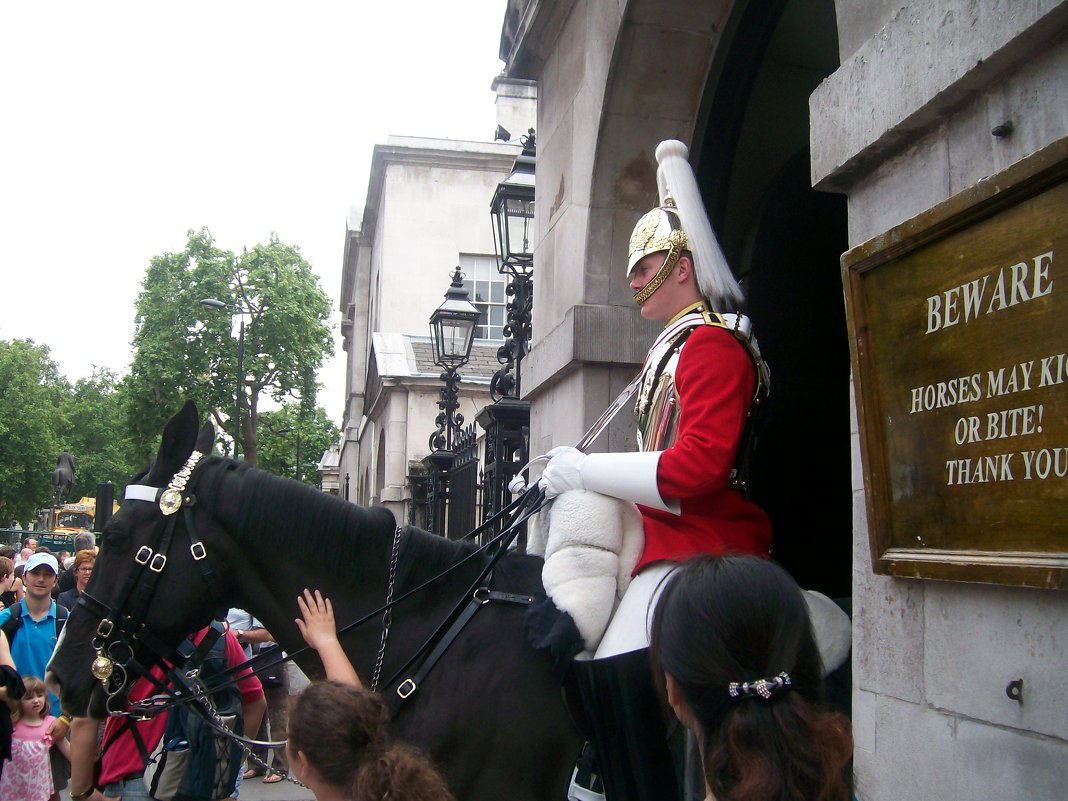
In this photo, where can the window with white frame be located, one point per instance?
(485, 287)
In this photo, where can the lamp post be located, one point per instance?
(218, 305)
(512, 213)
(506, 421)
(452, 328)
(297, 468)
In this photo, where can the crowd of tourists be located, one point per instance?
(326, 731)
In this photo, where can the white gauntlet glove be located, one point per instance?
(563, 473)
(628, 476)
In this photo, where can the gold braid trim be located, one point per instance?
(676, 243)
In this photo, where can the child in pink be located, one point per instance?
(28, 775)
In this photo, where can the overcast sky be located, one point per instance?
(127, 123)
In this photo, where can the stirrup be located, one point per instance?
(586, 784)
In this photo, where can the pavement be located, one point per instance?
(256, 790)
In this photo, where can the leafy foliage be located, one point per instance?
(289, 438)
(175, 354)
(182, 350)
(31, 417)
(276, 326)
(97, 433)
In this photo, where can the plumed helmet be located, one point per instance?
(658, 230)
(681, 222)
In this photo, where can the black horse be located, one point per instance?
(489, 713)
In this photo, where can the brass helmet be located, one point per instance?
(659, 229)
(680, 224)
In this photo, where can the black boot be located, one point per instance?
(625, 723)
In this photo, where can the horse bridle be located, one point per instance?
(121, 628)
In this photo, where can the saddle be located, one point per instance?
(591, 544)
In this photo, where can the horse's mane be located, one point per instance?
(283, 514)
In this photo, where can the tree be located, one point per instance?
(97, 432)
(173, 349)
(31, 417)
(291, 441)
(184, 350)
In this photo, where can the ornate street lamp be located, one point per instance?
(506, 421)
(452, 328)
(512, 213)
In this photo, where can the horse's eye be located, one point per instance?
(115, 539)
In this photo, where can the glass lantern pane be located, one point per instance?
(454, 334)
(519, 236)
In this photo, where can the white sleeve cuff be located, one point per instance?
(630, 476)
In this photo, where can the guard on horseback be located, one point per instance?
(701, 384)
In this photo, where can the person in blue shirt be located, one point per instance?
(32, 645)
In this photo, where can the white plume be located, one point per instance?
(675, 179)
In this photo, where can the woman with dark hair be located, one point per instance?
(732, 639)
(339, 742)
(340, 747)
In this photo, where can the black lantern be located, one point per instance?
(512, 211)
(452, 326)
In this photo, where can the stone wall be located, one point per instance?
(904, 124)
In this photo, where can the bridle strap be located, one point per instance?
(479, 598)
(479, 593)
(199, 553)
(121, 629)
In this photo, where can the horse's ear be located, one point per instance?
(179, 438)
(206, 438)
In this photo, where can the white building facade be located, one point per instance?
(426, 212)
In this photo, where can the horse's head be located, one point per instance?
(148, 590)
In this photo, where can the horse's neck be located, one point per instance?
(354, 572)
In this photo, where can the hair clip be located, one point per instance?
(762, 688)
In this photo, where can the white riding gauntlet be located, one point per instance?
(628, 476)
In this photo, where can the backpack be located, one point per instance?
(14, 623)
(193, 761)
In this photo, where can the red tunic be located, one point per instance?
(715, 381)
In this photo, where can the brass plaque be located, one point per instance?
(959, 338)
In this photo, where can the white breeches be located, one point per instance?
(631, 623)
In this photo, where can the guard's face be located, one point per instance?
(660, 305)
